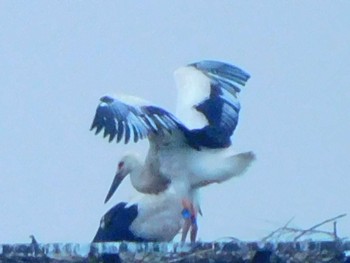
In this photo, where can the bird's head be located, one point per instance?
(125, 166)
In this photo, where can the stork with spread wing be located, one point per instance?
(186, 151)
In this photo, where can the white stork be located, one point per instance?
(154, 218)
(189, 151)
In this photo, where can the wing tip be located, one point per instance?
(218, 69)
(107, 99)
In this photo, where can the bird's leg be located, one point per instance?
(194, 228)
(190, 216)
(186, 226)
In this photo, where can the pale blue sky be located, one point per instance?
(57, 58)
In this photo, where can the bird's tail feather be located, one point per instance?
(225, 169)
(237, 164)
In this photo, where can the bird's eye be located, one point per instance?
(120, 165)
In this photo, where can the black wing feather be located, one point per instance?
(121, 120)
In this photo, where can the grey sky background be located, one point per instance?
(57, 58)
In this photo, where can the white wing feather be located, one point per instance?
(193, 87)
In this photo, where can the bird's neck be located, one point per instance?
(143, 179)
(136, 170)
(138, 177)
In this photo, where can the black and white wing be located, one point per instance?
(207, 101)
(119, 120)
(207, 105)
(115, 225)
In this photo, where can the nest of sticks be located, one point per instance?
(285, 244)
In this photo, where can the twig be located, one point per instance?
(223, 238)
(318, 225)
(296, 230)
(277, 230)
(301, 232)
(196, 253)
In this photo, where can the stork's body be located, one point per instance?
(186, 168)
(153, 218)
(189, 152)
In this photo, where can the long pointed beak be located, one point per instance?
(118, 178)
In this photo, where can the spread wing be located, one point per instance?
(120, 120)
(207, 106)
(207, 101)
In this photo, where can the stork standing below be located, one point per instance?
(187, 154)
(154, 218)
